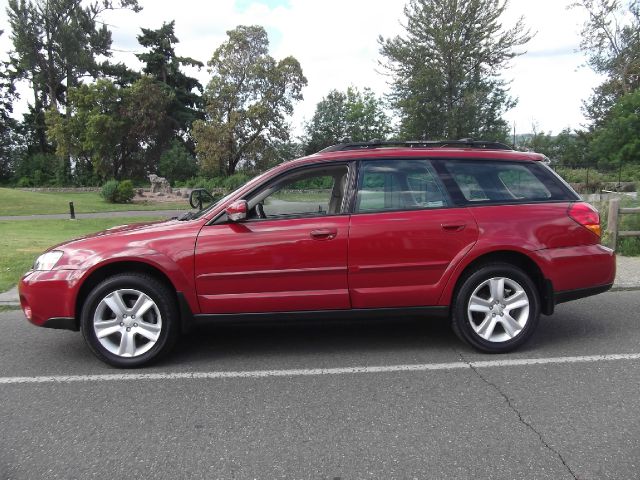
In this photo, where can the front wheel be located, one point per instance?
(496, 308)
(130, 320)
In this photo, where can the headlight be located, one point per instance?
(48, 260)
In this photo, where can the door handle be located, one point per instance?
(453, 227)
(324, 234)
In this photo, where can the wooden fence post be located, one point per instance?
(612, 222)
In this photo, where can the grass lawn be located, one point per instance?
(20, 202)
(22, 241)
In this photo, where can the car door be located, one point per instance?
(290, 254)
(404, 235)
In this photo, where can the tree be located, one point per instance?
(162, 63)
(177, 163)
(611, 40)
(617, 141)
(56, 43)
(356, 115)
(247, 101)
(112, 127)
(446, 69)
(7, 123)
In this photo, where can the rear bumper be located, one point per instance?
(48, 298)
(583, 268)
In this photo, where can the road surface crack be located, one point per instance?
(510, 404)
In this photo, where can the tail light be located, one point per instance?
(587, 216)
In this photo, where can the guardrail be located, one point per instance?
(613, 222)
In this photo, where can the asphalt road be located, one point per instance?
(449, 418)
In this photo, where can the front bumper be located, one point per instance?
(48, 298)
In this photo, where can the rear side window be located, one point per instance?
(398, 185)
(480, 181)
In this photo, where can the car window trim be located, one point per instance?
(447, 197)
(552, 183)
(221, 219)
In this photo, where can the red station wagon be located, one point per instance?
(473, 231)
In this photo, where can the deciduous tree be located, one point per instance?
(111, 126)
(247, 102)
(611, 40)
(353, 114)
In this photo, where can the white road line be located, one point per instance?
(316, 371)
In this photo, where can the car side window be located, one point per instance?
(308, 192)
(497, 181)
(398, 185)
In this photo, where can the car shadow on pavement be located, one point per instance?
(312, 339)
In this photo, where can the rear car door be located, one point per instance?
(404, 235)
(289, 255)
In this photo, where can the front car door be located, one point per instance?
(404, 235)
(289, 255)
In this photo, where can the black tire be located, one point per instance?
(164, 300)
(463, 325)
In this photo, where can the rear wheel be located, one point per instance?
(496, 308)
(130, 320)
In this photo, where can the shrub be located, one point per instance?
(234, 181)
(117, 192)
(124, 192)
(23, 182)
(110, 191)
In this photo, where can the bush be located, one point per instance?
(23, 182)
(117, 192)
(110, 191)
(125, 192)
(234, 181)
(38, 168)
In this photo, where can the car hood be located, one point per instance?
(129, 241)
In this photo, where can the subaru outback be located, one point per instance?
(472, 231)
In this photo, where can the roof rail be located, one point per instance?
(462, 143)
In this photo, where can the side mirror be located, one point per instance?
(237, 211)
(199, 196)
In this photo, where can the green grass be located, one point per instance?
(22, 241)
(293, 196)
(627, 246)
(9, 308)
(21, 202)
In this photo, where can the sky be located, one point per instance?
(336, 42)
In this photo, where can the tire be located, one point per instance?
(113, 332)
(491, 321)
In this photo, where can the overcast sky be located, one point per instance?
(336, 44)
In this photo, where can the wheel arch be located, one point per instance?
(512, 257)
(107, 270)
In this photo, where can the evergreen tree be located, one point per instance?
(162, 63)
(446, 68)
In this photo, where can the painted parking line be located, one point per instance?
(305, 372)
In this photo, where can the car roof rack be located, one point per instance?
(462, 143)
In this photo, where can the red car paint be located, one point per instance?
(340, 262)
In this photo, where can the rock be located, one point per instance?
(159, 184)
(160, 194)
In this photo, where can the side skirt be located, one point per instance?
(321, 315)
